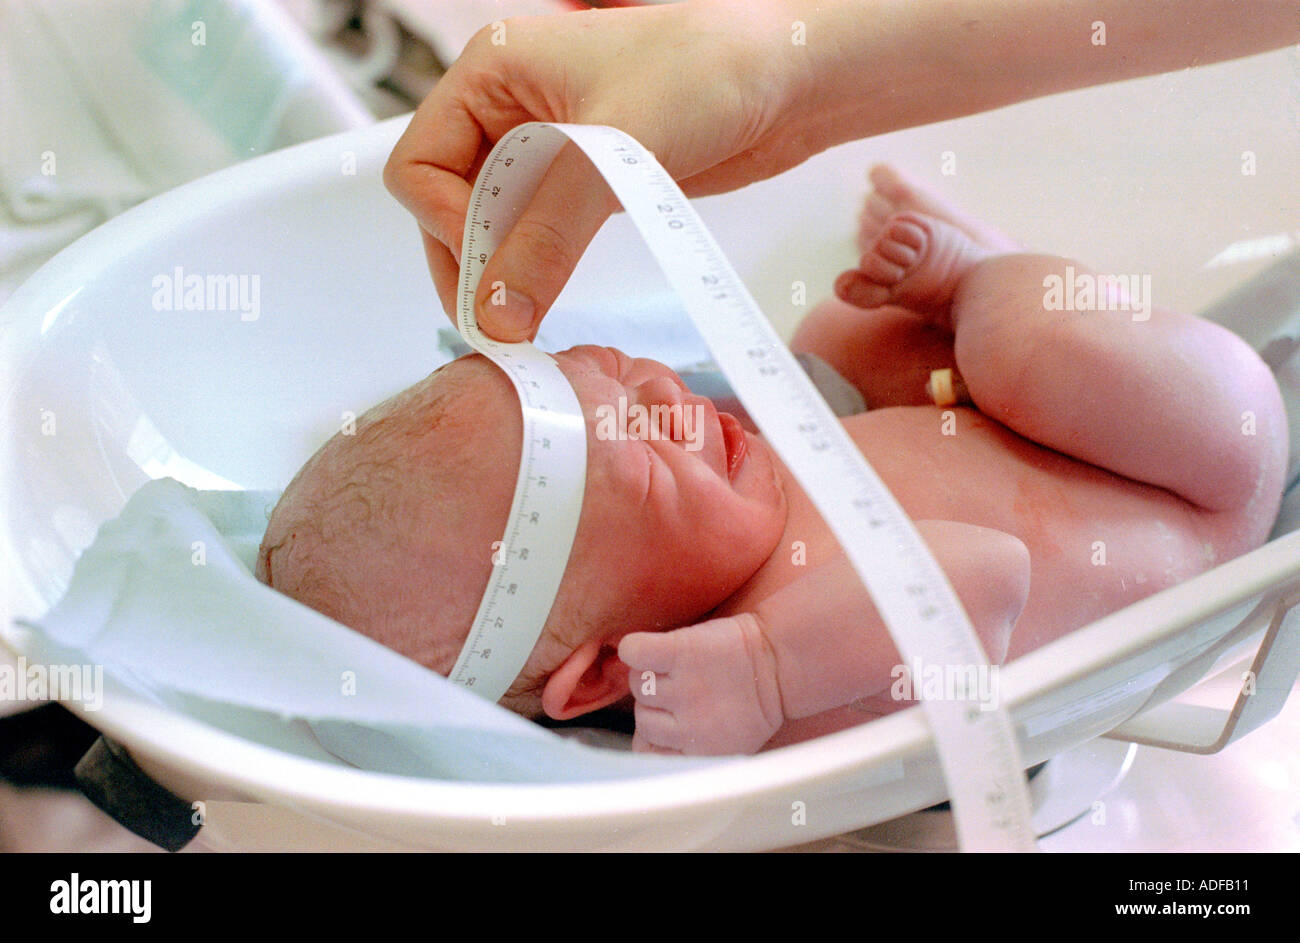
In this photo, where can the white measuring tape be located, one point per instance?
(976, 746)
(529, 564)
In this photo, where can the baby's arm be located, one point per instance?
(727, 685)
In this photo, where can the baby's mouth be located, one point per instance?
(733, 440)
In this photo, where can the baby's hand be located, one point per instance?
(706, 689)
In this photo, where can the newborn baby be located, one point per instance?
(1105, 455)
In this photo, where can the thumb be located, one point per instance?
(528, 270)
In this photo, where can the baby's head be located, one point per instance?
(390, 529)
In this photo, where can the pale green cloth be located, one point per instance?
(166, 601)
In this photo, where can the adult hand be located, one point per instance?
(726, 92)
(709, 88)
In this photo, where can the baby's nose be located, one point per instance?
(660, 390)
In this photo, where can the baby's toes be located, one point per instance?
(876, 210)
(895, 188)
(870, 286)
(880, 269)
(917, 261)
(897, 249)
(900, 244)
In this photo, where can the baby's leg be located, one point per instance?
(888, 353)
(1156, 396)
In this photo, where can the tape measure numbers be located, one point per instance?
(529, 563)
(976, 745)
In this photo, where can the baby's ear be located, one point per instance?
(591, 677)
(262, 570)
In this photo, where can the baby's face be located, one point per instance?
(670, 527)
(700, 499)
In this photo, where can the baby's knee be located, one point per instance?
(989, 570)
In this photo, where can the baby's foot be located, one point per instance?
(707, 689)
(892, 193)
(916, 261)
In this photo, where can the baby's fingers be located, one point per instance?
(657, 731)
(648, 651)
(641, 745)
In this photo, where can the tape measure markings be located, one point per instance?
(527, 568)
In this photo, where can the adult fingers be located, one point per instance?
(445, 272)
(534, 261)
(431, 166)
(427, 169)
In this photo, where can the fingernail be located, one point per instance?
(510, 312)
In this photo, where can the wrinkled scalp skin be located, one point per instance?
(354, 539)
